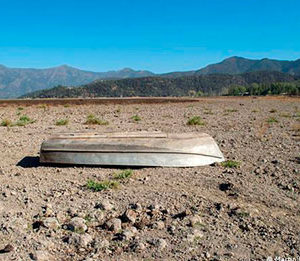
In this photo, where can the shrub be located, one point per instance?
(136, 118)
(104, 185)
(196, 120)
(124, 174)
(272, 120)
(24, 120)
(230, 164)
(6, 123)
(93, 120)
(62, 122)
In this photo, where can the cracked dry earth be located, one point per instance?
(203, 213)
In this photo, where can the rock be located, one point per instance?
(137, 207)
(257, 171)
(105, 205)
(48, 211)
(129, 216)
(51, 223)
(80, 241)
(138, 247)
(194, 220)
(101, 243)
(72, 212)
(154, 207)
(8, 248)
(159, 225)
(225, 186)
(114, 224)
(275, 161)
(60, 216)
(78, 225)
(183, 214)
(160, 243)
(97, 217)
(129, 233)
(143, 222)
(195, 235)
(171, 229)
(41, 255)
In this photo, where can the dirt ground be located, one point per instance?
(203, 213)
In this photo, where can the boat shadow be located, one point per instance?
(29, 162)
(34, 162)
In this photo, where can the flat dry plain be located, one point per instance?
(205, 213)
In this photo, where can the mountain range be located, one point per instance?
(15, 82)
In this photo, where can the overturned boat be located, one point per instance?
(155, 149)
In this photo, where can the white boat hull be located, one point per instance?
(132, 149)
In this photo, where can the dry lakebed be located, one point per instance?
(247, 208)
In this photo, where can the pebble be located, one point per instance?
(154, 207)
(48, 211)
(129, 233)
(99, 216)
(41, 255)
(114, 224)
(159, 225)
(139, 247)
(105, 205)
(77, 224)
(80, 241)
(101, 243)
(160, 243)
(60, 216)
(172, 229)
(129, 216)
(196, 234)
(137, 207)
(194, 220)
(51, 223)
(8, 248)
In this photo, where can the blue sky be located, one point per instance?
(157, 35)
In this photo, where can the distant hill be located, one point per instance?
(15, 82)
(212, 84)
(236, 65)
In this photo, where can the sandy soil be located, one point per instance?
(203, 213)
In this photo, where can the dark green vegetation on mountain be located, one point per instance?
(276, 88)
(197, 85)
